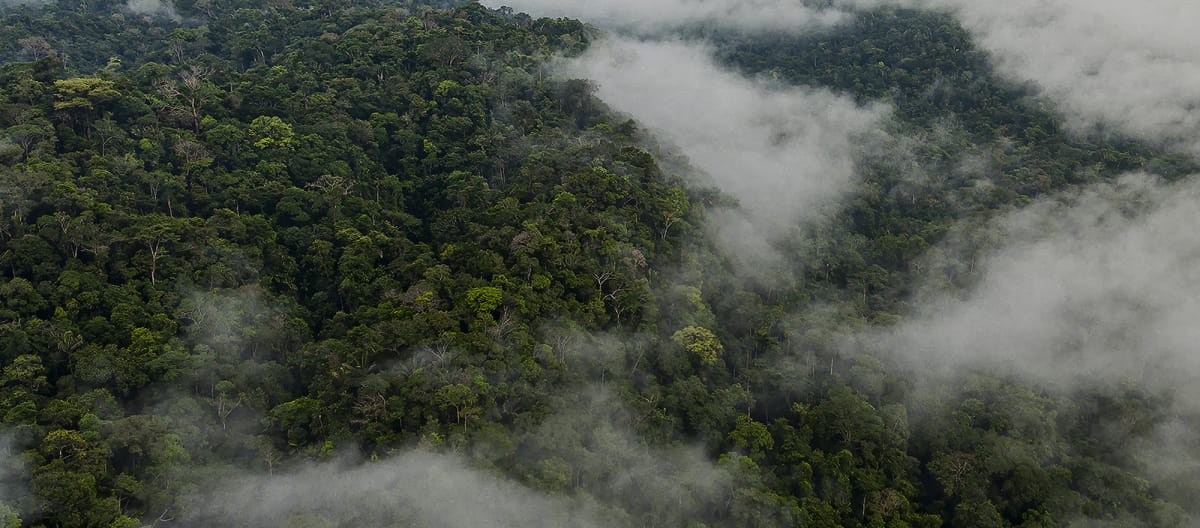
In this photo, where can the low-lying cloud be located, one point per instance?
(583, 467)
(1094, 290)
(1092, 286)
(1110, 65)
(1129, 67)
(778, 150)
(418, 488)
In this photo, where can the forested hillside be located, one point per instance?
(251, 252)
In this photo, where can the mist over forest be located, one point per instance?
(723, 263)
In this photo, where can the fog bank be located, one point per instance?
(1089, 286)
(582, 467)
(778, 150)
(1129, 67)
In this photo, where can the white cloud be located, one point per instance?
(778, 150)
(1132, 67)
(1096, 286)
(605, 475)
(1092, 290)
(413, 489)
(1129, 67)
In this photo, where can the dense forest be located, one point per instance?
(249, 239)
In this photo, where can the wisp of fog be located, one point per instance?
(1091, 286)
(778, 150)
(624, 483)
(152, 8)
(12, 472)
(1128, 67)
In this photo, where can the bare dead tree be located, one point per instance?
(188, 93)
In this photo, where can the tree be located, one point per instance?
(485, 300)
(752, 436)
(77, 98)
(36, 47)
(155, 234)
(21, 297)
(271, 132)
(65, 486)
(976, 513)
(461, 398)
(9, 518)
(699, 341)
(31, 137)
(27, 372)
(957, 472)
(849, 417)
(674, 209)
(71, 497)
(187, 94)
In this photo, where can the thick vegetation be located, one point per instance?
(257, 236)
